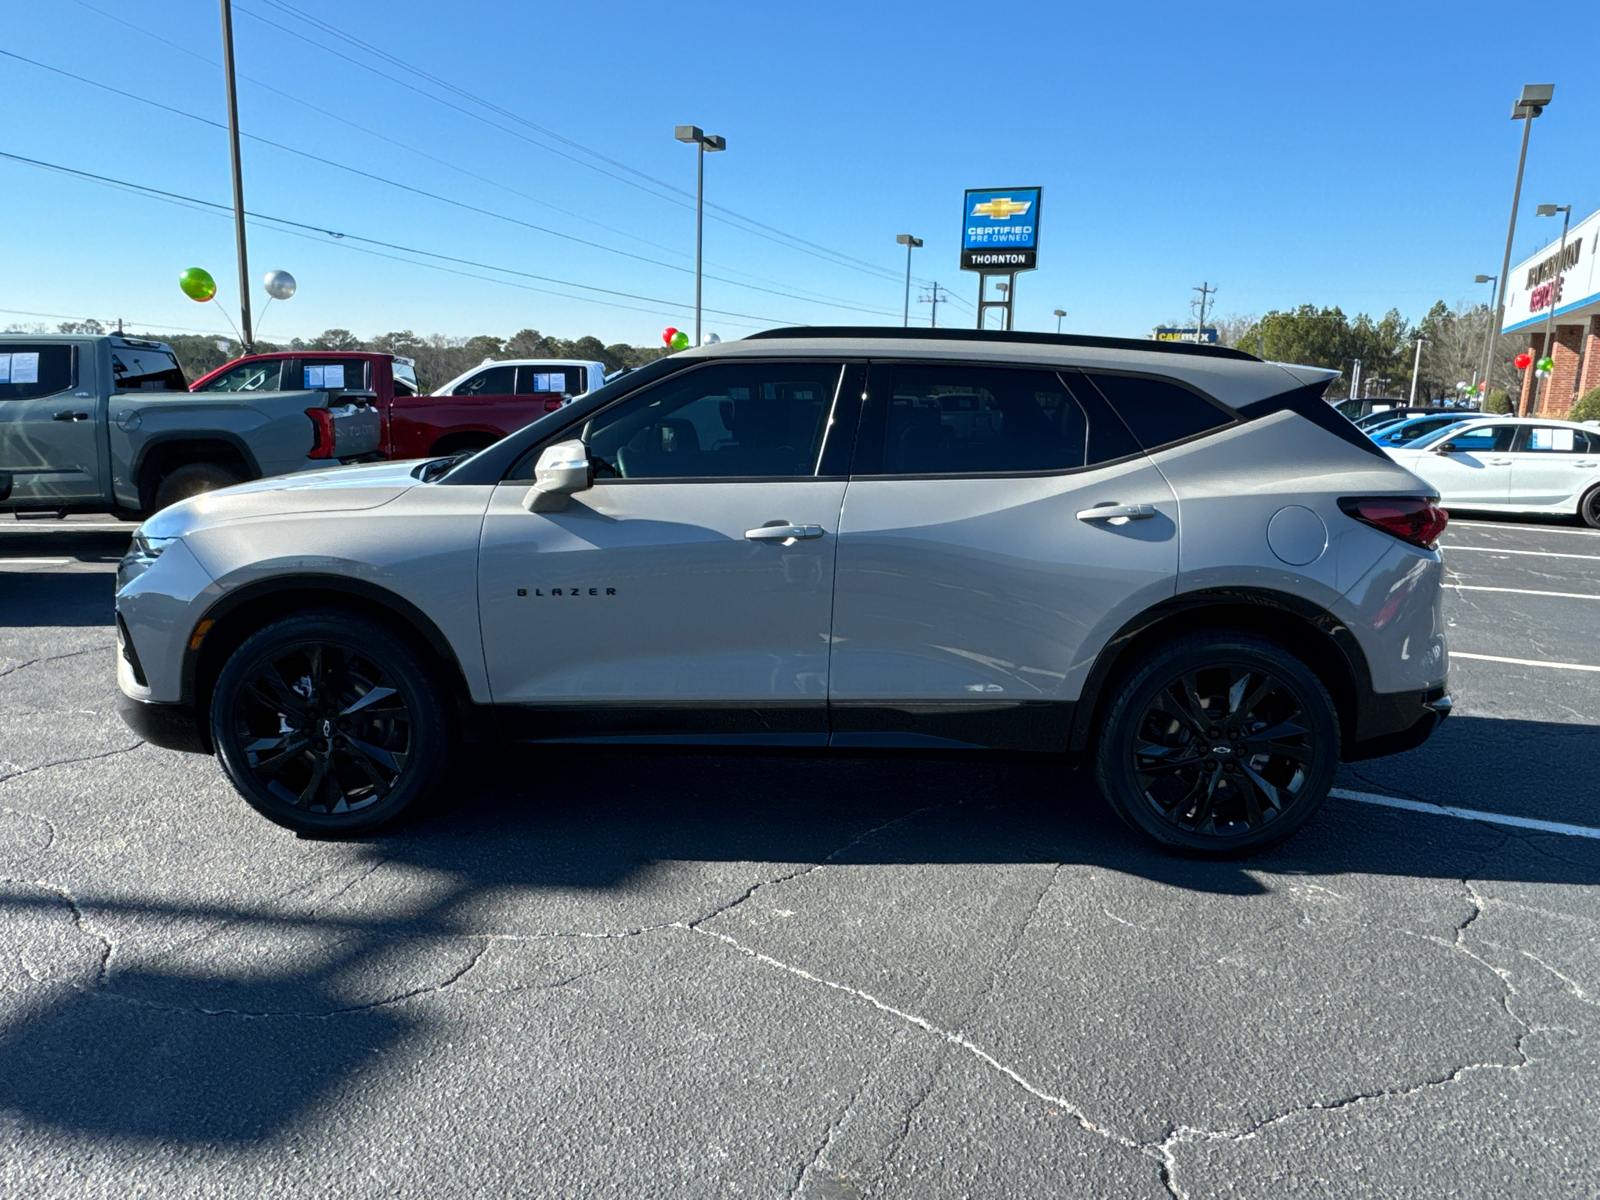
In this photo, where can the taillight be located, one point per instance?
(322, 425)
(552, 403)
(1414, 519)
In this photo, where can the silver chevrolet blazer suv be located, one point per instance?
(1175, 565)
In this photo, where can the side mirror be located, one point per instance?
(1446, 448)
(562, 470)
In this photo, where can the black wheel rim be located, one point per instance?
(1223, 752)
(1591, 508)
(323, 728)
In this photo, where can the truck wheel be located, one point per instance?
(1589, 508)
(191, 480)
(1218, 744)
(329, 725)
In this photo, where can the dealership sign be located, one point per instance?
(1167, 333)
(1000, 230)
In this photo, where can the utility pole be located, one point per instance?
(1206, 292)
(238, 177)
(932, 296)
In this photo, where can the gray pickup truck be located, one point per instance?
(108, 422)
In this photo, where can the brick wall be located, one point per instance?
(1558, 393)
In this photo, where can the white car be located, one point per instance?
(1512, 465)
(1176, 563)
(527, 376)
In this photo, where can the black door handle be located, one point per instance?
(71, 416)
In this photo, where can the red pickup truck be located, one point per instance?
(468, 414)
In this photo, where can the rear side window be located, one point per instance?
(1158, 411)
(326, 375)
(539, 381)
(142, 369)
(1556, 439)
(977, 420)
(29, 371)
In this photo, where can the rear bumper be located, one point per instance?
(170, 726)
(1392, 722)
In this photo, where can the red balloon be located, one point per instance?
(1522, 361)
(668, 334)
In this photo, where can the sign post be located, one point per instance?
(999, 239)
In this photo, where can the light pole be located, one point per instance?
(910, 243)
(238, 178)
(1534, 98)
(1488, 339)
(1416, 369)
(1550, 210)
(703, 142)
(1059, 313)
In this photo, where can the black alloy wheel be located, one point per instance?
(328, 725)
(1589, 508)
(1219, 746)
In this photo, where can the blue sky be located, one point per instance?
(1353, 154)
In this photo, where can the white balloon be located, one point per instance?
(710, 339)
(280, 285)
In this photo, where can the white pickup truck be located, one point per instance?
(106, 422)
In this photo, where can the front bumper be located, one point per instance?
(170, 726)
(1390, 722)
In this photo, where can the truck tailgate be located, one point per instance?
(357, 429)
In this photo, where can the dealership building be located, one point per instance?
(1569, 282)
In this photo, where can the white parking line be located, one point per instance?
(1520, 529)
(1530, 553)
(1467, 814)
(33, 562)
(1524, 662)
(66, 527)
(1473, 587)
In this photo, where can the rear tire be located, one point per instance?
(191, 480)
(1589, 508)
(1218, 745)
(329, 725)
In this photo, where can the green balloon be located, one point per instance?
(680, 340)
(197, 284)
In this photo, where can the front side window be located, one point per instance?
(30, 371)
(1159, 411)
(1410, 431)
(728, 420)
(960, 420)
(1481, 439)
(492, 381)
(248, 377)
(143, 369)
(405, 379)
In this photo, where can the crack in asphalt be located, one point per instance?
(34, 662)
(49, 825)
(67, 762)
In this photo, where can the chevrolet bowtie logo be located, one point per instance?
(1001, 207)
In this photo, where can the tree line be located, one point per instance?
(438, 359)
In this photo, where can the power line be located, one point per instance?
(730, 216)
(211, 205)
(427, 194)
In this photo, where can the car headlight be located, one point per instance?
(148, 547)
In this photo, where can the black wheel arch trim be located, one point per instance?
(1362, 712)
(472, 720)
(196, 436)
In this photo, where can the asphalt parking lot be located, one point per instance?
(763, 975)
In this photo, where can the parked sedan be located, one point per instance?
(1511, 464)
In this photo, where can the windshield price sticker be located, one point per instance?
(1000, 229)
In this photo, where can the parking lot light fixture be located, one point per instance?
(910, 243)
(1532, 102)
(703, 142)
(1059, 313)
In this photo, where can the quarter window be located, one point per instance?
(30, 371)
(724, 421)
(1157, 411)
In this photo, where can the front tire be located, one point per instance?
(1589, 508)
(191, 480)
(1218, 745)
(329, 725)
